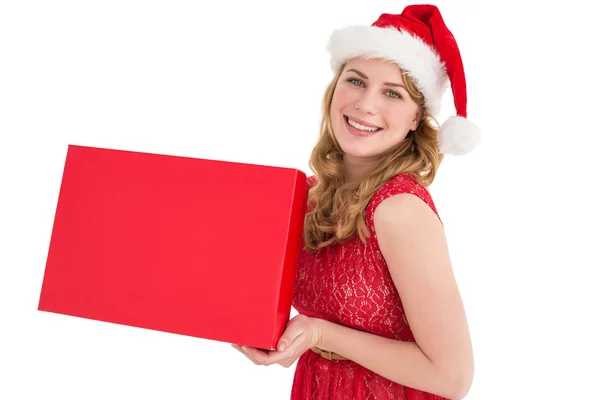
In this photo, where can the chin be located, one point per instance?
(358, 150)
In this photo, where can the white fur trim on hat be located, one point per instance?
(458, 136)
(409, 52)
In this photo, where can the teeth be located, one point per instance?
(361, 127)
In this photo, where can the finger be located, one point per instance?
(258, 355)
(248, 356)
(292, 331)
(292, 352)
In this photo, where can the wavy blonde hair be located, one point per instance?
(337, 209)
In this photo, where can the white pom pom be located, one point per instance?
(458, 136)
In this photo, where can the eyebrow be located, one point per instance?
(362, 75)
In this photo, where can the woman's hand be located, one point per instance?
(301, 333)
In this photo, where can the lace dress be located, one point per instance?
(349, 284)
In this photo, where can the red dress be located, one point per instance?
(349, 284)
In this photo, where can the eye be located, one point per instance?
(394, 95)
(357, 82)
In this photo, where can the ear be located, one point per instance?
(417, 120)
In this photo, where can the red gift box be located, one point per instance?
(183, 245)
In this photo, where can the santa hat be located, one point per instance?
(419, 42)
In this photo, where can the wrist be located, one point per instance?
(319, 329)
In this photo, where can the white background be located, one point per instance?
(242, 81)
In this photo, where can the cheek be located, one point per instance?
(401, 118)
(341, 98)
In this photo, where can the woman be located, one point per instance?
(380, 314)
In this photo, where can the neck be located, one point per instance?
(356, 169)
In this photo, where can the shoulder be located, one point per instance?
(405, 213)
(402, 193)
(403, 184)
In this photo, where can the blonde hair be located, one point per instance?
(337, 209)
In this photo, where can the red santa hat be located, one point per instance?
(419, 42)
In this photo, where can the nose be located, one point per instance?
(367, 102)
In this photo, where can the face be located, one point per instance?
(371, 110)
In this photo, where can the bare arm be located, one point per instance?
(413, 243)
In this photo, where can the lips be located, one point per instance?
(360, 122)
(360, 128)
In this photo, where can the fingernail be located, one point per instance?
(281, 347)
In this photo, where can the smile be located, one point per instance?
(360, 129)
